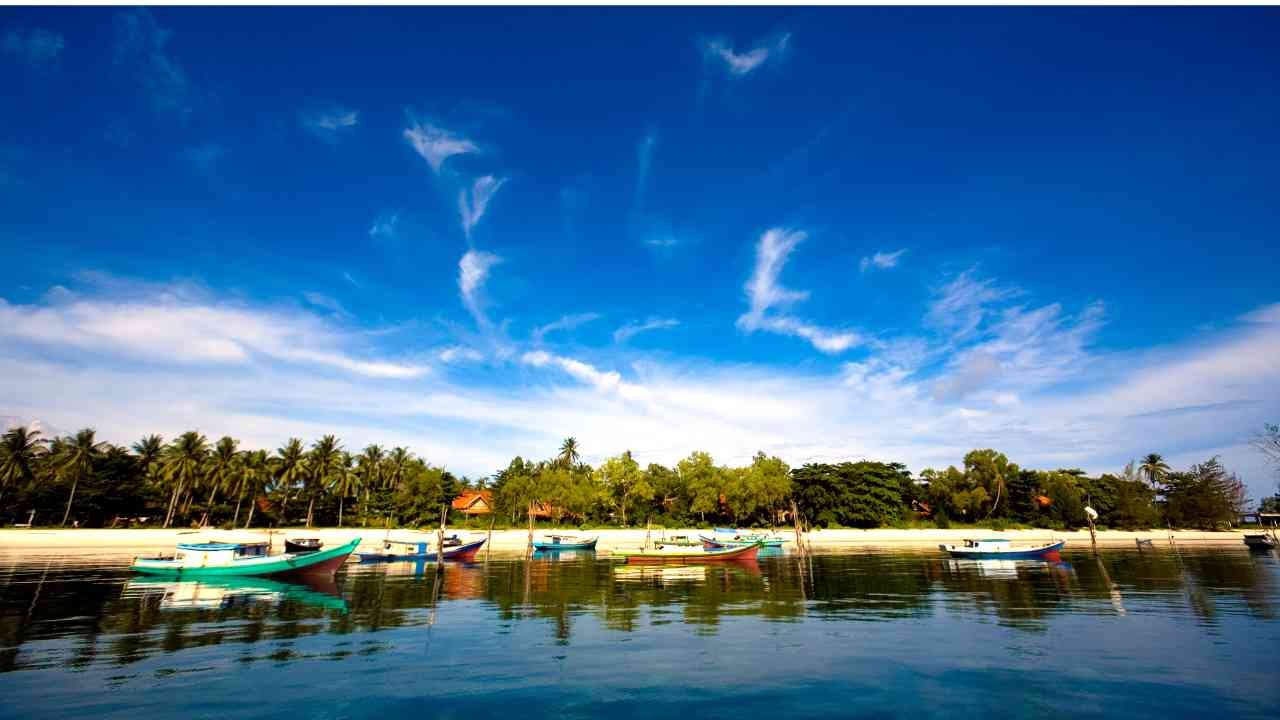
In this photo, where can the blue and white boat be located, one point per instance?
(555, 543)
(1000, 549)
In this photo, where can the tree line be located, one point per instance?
(190, 481)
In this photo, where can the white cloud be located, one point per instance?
(169, 324)
(33, 46)
(745, 62)
(459, 354)
(662, 241)
(631, 329)
(566, 322)
(473, 270)
(325, 302)
(961, 305)
(769, 300)
(881, 261)
(327, 124)
(472, 205)
(436, 145)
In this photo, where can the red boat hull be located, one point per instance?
(321, 569)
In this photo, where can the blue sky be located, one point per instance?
(827, 234)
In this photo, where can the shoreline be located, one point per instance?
(515, 540)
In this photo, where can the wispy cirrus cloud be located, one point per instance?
(769, 300)
(459, 354)
(566, 322)
(436, 144)
(325, 302)
(743, 63)
(35, 47)
(327, 124)
(473, 202)
(473, 271)
(141, 50)
(384, 226)
(631, 329)
(881, 260)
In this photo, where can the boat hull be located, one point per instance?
(321, 563)
(1011, 554)
(461, 553)
(684, 558)
(1259, 542)
(548, 547)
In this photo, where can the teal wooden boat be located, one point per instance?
(730, 541)
(212, 559)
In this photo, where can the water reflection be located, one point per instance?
(55, 611)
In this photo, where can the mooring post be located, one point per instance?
(488, 543)
(528, 551)
(795, 518)
(444, 518)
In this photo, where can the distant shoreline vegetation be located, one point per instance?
(79, 481)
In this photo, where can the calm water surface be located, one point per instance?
(1152, 634)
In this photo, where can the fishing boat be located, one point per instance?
(565, 542)
(419, 550)
(1000, 549)
(741, 541)
(687, 555)
(302, 545)
(1260, 541)
(678, 541)
(215, 559)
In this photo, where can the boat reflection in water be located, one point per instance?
(660, 574)
(233, 592)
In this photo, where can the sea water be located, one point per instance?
(1152, 633)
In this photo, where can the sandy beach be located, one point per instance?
(514, 541)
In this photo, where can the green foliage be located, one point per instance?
(861, 494)
(1206, 496)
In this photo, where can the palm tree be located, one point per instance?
(291, 468)
(75, 461)
(183, 466)
(224, 466)
(326, 459)
(348, 482)
(1154, 467)
(20, 450)
(149, 451)
(371, 469)
(257, 471)
(568, 452)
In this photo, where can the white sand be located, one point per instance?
(515, 540)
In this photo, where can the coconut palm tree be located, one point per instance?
(372, 470)
(325, 464)
(183, 466)
(397, 466)
(223, 469)
(1154, 467)
(256, 475)
(20, 450)
(75, 461)
(347, 482)
(149, 451)
(568, 452)
(291, 470)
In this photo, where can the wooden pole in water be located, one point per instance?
(488, 543)
(795, 518)
(528, 551)
(444, 518)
